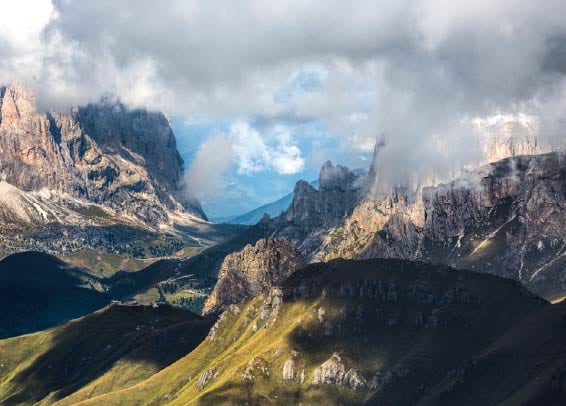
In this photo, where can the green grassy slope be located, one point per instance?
(421, 329)
(113, 348)
(103, 264)
(525, 366)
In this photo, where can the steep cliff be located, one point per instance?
(313, 211)
(505, 218)
(101, 153)
(252, 271)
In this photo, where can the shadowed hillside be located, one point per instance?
(39, 291)
(107, 350)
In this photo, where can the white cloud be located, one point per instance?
(274, 151)
(251, 153)
(286, 158)
(21, 48)
(206, 174)
(22, 23)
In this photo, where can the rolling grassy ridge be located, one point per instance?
(415, 333)
(410, 333)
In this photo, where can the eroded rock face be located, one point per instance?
(256, 367)
(289, 369)
(330, 372)
(102, 153)
(252, 271)
(206, 377)
(313, 211)
(334, 199)
(505, 218)
(333, 371)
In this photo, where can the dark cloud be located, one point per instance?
(555, 55)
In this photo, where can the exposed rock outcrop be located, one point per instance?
(253, 271)
(289, 369)
(333, 371)
(102, 153)
(505, 218)
(206, 377)
(334, 199)
(313, 211)
(257, 367)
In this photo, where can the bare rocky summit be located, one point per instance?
(313, 212)
(253, 271)
(104, 153)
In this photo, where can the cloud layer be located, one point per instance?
(417, 72)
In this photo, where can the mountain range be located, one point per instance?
(116, 289)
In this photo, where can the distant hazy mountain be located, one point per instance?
(272, 209)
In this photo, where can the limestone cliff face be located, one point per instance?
(102, 153)
(313, 211)
(335, 198)
(253, 271)
(506, 136)
(506, 218)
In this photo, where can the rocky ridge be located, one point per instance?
(313, 211)
(252, 271)
(375, 331)
(105, 153)
(504, 218)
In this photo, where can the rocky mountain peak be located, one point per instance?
(16, 102)
(304, 202)
(104, 153)
(313, 211)
(330, 200)
(252, 271)
(336, 177)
